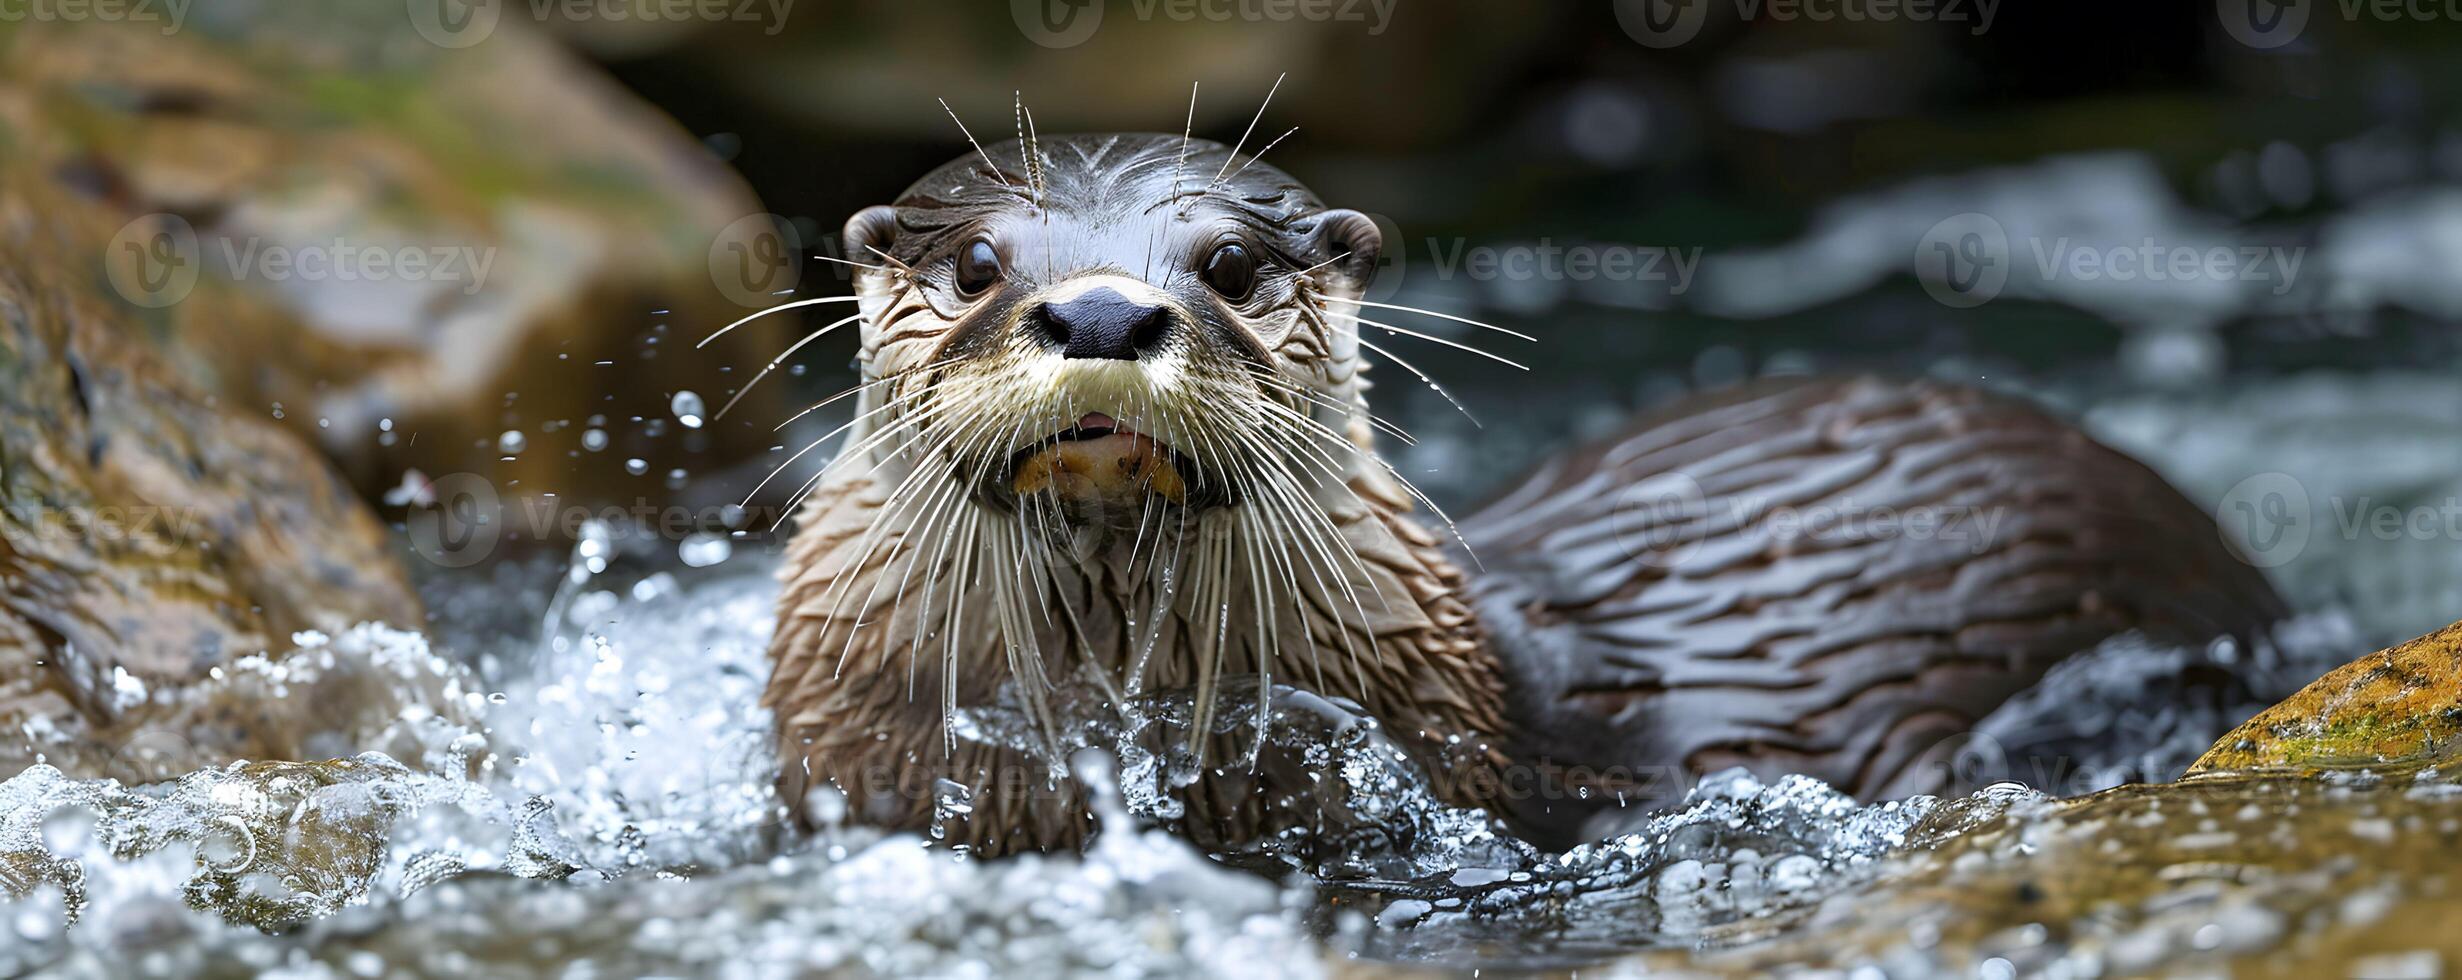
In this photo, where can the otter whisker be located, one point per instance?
(882, 269)
(1034, 142)
(864, 446)
(1252, 127)
(781, 308)
(942, 543)
(780, 359)
(1322, 401)
(1216, 557)
(970, 139)
(833, 399)
(1432, 338)
(1259, 155)
(915, 508)
(1433, 313)
(814, 444)
(1423, 377)
(1186, 131)
(900, 499)
(1025, 158)
(1289, 496)
(1267, 639)
(1284, 490)
(1386, 468)
(850, 452)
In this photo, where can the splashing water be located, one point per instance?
(596, 786)
(613, 803)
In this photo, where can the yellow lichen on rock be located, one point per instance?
(2399, 704)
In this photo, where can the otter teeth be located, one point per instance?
(1073, 463)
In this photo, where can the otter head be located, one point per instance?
(1112, 439)
(1093, 330)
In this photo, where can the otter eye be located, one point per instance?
(978, 264)
(1231, 271)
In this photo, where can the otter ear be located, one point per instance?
(1351, 241)
(875, 227)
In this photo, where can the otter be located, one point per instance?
(1112, 438)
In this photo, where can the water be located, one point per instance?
(576, 769)
(609, 800)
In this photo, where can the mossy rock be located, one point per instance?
(148, 536)
(2402, 704)
(2229, 874)
(292, 159)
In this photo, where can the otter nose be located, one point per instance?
(1101, 323)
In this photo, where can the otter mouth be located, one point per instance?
(1098, 467)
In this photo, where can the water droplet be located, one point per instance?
(636, 466)
(594, 440)
(705, 549)
(512, 442)
(687, 408)
(676, 479)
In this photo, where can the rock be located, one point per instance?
(148, 535)
(2318, 839)
(2233, 874)
(2398, 705)
(398, 248)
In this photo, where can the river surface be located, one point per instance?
(595, 797)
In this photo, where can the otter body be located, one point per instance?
(1112, 440)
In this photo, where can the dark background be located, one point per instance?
(1490, 122)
